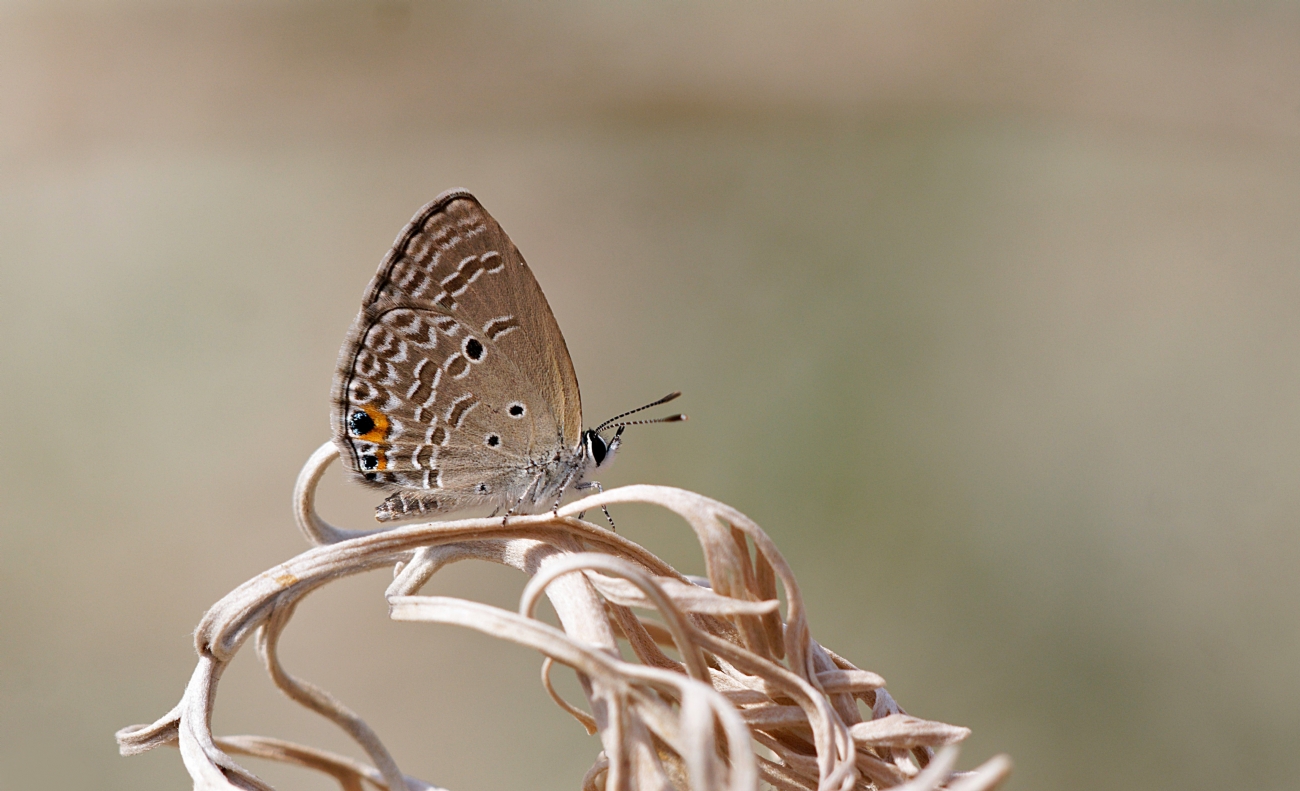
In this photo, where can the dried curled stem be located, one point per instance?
(745, 677)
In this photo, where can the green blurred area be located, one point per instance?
(986, 311)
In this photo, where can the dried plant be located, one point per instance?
(750, 698)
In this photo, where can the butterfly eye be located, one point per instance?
(597, 447)
(360, 423)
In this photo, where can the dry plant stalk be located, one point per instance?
(748, 681)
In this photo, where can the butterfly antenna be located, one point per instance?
(663, 400)
(669, 419)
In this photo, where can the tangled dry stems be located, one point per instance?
(747, 680)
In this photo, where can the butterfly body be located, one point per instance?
(454, 387)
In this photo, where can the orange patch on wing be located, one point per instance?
(377, 433)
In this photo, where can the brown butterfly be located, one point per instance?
(454, 385)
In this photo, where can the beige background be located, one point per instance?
(987, 311)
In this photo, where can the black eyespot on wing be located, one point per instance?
(370, 476)
(516, 410)
(474, 349)
(369, 462)
(359, 423)
(482, 488)
(493, 440)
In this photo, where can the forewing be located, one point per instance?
(454, 258)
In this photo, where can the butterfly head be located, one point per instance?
(598, 450)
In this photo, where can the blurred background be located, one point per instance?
(986, 311)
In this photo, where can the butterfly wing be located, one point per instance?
(454, 377)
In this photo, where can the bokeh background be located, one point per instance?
(987, 311)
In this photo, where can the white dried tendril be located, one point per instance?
(752, 699)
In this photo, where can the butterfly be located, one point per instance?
(454, 387)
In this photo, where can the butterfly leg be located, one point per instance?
(555, 506)
(522, 497)
(600, 490)
(405, 505)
